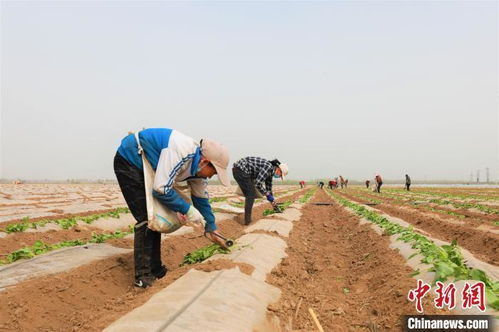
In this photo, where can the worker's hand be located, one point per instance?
(276, 207)
(270, 198)
(193, 218)
(216, 239)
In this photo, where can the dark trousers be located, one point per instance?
(248, 188)
(147, 243)
(379, 187)
(407, 185)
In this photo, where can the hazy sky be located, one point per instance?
(349, 88)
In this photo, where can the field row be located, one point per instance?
(339, 260)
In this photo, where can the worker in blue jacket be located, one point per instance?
(175, 158)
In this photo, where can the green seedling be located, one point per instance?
(237, 204)
(64, 223)
(308, 195)
(447, 261)
(202, 254)
(40, 247)
(217, 199)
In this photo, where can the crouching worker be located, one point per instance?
(174, 157)
(256, 172)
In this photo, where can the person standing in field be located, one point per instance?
(302, 184)
(321, 184)
(175, 158)
(257, 173)
(407, 182)
(330, 184)
(367, 184)
(379, 183)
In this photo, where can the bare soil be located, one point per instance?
(469, 214)
(484, 245)
(344, 271)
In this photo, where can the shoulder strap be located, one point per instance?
(140, 150)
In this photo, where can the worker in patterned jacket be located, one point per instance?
(174, 157)
(255, 173)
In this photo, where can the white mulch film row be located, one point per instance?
(68, 258)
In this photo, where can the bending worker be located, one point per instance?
(379, 183)
(174, 157)
(256, 172)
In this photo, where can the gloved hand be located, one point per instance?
(215, 239)
(276, 207)
(270, 198)
(195, 216)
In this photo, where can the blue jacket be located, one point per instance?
(175, 158)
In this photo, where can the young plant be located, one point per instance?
(202, 254)
(64, 223)
(40, 247)
(447, 260)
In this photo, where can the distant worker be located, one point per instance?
(321, 184)
(343, 182)
(302, 184)
(175, 157)
(379, 183)
(367, 184)
(257, 173)
(335, 183)
(331, 184)
(407, 182)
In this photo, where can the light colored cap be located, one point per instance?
(284, 169)
(218, 155)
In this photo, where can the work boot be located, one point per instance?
(159, 272)
(248, 207)
(144, 281)
(142, 257)
(156, 265)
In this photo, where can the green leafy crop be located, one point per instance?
(308, 195)
(201, 254)
(64, 223)
(447, 261)
(40, 247)
(217, 199)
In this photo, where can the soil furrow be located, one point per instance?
(484, 245)
(344, 271)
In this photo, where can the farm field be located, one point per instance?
(349, 255)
